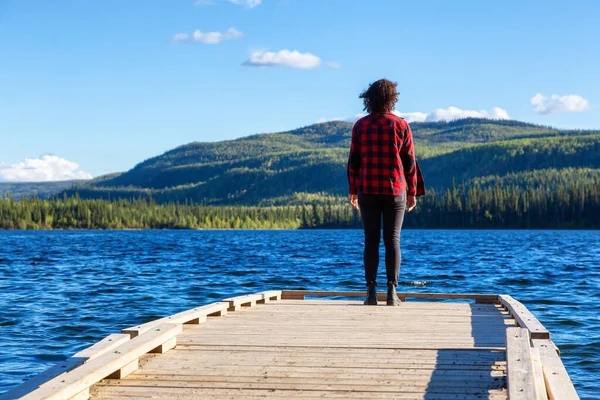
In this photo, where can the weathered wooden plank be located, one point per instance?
(267, 350)
(538, 375)
(80, 358)
(80, 379)
(557, 380)
(167, 393)
(325, 348)
(524, 317)
(447, 387)
(481, 367)
(305, 355)
(375, 385)
(226, 372)
(301, 294)
(521, 383)
(194, 316)
(295, 349)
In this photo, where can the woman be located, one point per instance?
(384, 179)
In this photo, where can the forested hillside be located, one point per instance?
(42, 190)
(575, 205)
(284, 168)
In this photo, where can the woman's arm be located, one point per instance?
(409, 165)
(409, 162)
(353, 163)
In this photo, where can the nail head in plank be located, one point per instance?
(103, 346)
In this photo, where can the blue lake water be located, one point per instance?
(63, 291)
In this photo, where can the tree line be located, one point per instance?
(574, 205)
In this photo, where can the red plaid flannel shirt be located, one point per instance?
(382, 157)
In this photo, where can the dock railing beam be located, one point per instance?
(535, 370)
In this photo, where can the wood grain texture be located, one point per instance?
(524, 317)
(194, 316)
(558, 382)
(330, 349)
(278, 347)
(105, 345)
(519, 365)
(83, 377)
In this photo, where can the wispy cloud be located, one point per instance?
(412, 116)
(452, 113)
(288, 59)
(323, 119)
(43, 169)
(333, 64)
(439, 114)
(246, 3)
(559, 104)
(207, 37)
(283, 58)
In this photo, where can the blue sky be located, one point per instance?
(106, 84)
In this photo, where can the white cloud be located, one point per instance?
(452, 113)
(440, 114)
(283, 58)
(247, 3)
(559, 104)
(411, 116)
(323, 119)
(44, 169)
(207, 37)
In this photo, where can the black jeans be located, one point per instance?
(372, 209)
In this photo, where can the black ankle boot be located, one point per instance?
(392, 296)
(371, 299)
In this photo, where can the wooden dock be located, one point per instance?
(281, 345)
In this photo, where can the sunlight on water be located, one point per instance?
(62, 291)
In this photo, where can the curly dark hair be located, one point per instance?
(381, 96)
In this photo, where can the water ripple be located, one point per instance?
(63, 291)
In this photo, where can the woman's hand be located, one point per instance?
(411, 202)
(354, 201)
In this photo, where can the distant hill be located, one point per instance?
(269, 168)
(42, 190)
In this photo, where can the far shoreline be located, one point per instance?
(289, 229)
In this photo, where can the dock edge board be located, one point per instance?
(533, 360)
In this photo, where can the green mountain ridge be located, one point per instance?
(43, 190)
(269, 168)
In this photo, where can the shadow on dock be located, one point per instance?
(478, 372)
